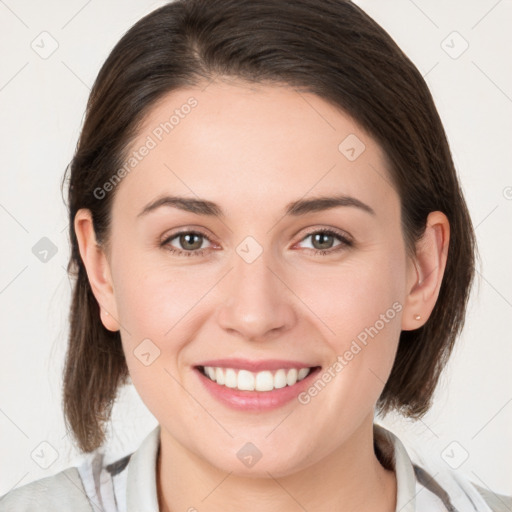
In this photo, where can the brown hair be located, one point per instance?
(328, 47)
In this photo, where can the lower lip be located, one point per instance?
(255, 400)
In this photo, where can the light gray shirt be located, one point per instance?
(129, 485)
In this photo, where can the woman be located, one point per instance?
(270, 241)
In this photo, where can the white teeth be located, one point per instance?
(219, 376)
(210, 372)
(231, 380)
(291, 377)
(260, 381)
(245, 380)
(280, 379)
(302, 373)
(264, 381)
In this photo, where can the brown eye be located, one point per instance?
(322, 241)
(326, 242)
(186, 243)
(190, 241)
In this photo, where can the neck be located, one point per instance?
(349, 479)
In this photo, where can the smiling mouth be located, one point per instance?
(244, 380)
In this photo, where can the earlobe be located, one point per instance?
(427, 271)
(97, 267)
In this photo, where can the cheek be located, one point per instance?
(354, 296)
(158, 310)
(160, 304)
(359, 310)
(151, 296)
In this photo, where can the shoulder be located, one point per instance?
(94, 485)
(62, 491)
(496, 502)
(423, 485)
(457, 491)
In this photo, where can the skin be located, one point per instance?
(252, 149)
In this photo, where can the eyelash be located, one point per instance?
(345, 242)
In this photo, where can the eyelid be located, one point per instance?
(311, 230)
(165, 243)
(344, 237)
(170, 235)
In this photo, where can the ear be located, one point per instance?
(97, 267)
(425, 272)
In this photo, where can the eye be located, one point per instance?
(189, 243)
(323, 241)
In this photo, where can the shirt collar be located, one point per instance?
(141, 493)
(404, 470)
(141, 486)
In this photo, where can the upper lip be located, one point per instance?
(256, 366)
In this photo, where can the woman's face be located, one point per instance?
(252, 283)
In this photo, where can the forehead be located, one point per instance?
(254, 144)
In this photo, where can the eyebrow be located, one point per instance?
(295, 208)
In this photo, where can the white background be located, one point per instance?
(42, 103)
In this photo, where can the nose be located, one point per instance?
(258, 304)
